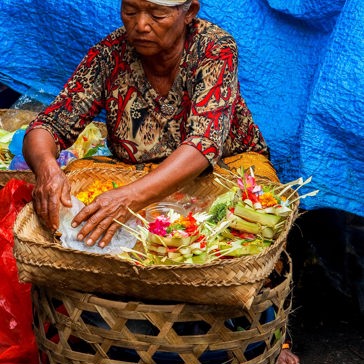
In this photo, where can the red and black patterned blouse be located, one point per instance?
(203, 109)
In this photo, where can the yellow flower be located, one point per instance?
(95, 189)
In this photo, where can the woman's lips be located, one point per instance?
(142, 41)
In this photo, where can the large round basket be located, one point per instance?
(227, 281)
(73, 327)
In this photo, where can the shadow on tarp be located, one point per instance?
(7, 96)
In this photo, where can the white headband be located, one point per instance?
(168, 2)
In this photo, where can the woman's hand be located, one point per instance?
(51, 190)
(183, 164)
(100, 214)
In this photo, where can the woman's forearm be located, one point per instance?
(39, 150)
(181, 166)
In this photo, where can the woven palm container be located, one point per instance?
(12, 119)
(7, 175)
(75, 327)
(225, 281)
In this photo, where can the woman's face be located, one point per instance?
(153, 29)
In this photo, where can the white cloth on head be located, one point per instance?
(168, 2)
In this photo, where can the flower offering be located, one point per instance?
(244, 220)
(176, 238)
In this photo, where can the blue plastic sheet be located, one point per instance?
(301, 73)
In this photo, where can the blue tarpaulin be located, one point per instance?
(301, 69)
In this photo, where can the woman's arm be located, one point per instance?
(51, 188)
(181, 166)
(58, 127)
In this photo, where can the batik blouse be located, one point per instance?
(203, 109)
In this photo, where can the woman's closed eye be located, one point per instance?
(158, 17)
(154, 16)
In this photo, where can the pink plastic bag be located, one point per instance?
(17, 341)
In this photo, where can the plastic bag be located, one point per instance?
(65, 157)
(16, 143)
(11, 143)
(18, 163)
(17, 341)
(90, 138)
(69, 234)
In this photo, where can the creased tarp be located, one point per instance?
(301, 72)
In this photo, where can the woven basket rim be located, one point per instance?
(29, 210)
(263, 291)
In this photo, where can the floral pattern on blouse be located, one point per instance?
(204, 107)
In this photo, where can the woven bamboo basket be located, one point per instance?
(225, 281)
(74, 327)
(7, 175)
(12, 119)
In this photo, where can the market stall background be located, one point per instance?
(301, 70)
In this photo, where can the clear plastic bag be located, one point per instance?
(69, 234)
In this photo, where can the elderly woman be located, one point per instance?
(169, 85)
(168, 82)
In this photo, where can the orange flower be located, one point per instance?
(267, 199)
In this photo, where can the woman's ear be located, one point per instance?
(192, 11)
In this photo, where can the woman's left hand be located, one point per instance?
(100, 214)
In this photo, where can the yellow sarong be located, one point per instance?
(261, 165)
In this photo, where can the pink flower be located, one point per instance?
(159, 225)
(250, 189)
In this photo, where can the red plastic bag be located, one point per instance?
(17, 341)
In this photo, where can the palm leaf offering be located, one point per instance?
(244, 220)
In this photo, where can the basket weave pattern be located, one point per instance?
(66, 331)
(227, 281)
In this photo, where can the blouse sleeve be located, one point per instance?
(78, 103)
(215, 92)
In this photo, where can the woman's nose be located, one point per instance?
(143, 22)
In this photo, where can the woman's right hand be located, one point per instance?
(51, 190)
